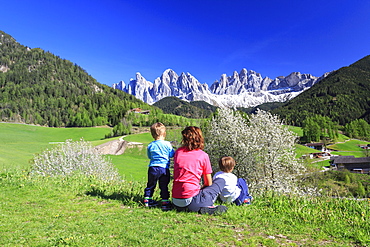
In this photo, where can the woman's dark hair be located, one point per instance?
(192, 138)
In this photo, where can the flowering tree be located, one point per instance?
(71, 157)
(261, 145)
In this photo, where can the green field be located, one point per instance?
(303, 150)
(348, 148)
(18, 142)
(81, 211)
(133, 164)
(84, 212)
(352, 145)
(297, 130)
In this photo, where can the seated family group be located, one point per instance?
(191, 164)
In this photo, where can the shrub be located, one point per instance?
(360, 190)
(262, 147)
(74, 157)
(347, 180)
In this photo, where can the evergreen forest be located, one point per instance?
(343, 96)
(37, 87)
(193, 109)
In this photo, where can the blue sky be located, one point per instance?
(112, 40)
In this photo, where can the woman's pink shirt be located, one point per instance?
(189, 166)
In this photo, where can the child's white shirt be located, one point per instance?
(231, 191)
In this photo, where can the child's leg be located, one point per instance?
(152, 182)
(164, 180)
(207, 195)
(244, 192)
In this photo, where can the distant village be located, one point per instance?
(337, 162)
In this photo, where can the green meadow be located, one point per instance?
(133, 164)
(18, 142)
(351, 147)
(81, 211)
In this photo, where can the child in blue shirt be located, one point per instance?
(159, 152)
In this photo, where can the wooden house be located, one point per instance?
(355, 165)
(140, 111)
(316, 145)
(319, 155)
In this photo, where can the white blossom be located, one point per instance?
(260, 144)
(71, 157)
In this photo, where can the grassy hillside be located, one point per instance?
(78, 211)
(297, 130)
(83, 212)
(350, 147)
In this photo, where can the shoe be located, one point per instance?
(247, 201)
(150, 203)
(166, 205)
(216, 210)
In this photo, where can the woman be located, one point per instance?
(191, 163)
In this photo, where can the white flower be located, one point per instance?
(70, 157)
(260, 144)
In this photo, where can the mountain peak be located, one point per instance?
(244, 89)
(167, 71)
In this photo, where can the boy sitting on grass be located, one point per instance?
(159, 152)
(236, 189)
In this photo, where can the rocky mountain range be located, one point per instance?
(245, 89)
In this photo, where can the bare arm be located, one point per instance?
(207, 179)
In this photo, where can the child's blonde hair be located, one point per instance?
(158, 129)
(226, 164)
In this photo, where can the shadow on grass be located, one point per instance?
(126, 198)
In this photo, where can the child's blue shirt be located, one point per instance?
(159, 153)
